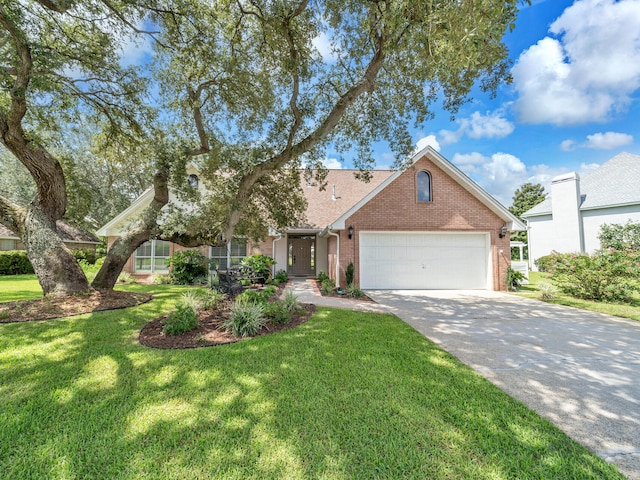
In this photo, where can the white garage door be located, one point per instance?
(408, 260)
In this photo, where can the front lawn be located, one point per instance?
(625, 310)
(19, 287)
(345, 395)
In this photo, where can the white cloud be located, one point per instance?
(588, 71)
(568, 145)
(608, 140)
(428, 140)
(134, 51)
(323, 43)
(332, 163)
(490, 125)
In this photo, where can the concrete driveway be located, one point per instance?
(581, 370)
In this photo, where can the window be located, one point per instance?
(7, 244)
(424, 186)
(230, 254)
(152, 257)
(193, 180)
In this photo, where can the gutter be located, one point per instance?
(333, 234)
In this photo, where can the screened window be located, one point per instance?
(229, 255)
(7, 244)
(424, 187)
(193, 180)
(152, 257)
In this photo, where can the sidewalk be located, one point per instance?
(307, 292)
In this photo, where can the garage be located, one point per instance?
(424, 260)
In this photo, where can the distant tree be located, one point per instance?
(525, 198)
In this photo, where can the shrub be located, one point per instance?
(290, 301)
(322, 277)
(188, 267)
(354, 292)
(86, 254)
(192, 299)
(607, 275)
(246, 318)
(350, 273)
(549, 262)
(277, 312)
(257, 296)
(620, 237)
(514, 279)
(209, 299)
(548, 291)
(160, 279)
(125, 277)
(281, 276)
(327, 286)
(261, 264)
(183, 320)
(15, 262)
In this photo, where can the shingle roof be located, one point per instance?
(67, 232)
(615, 182)
(323, 209)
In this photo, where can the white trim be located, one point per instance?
(337, 257)
(142, 201)
(513, 223)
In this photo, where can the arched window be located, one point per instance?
(193, 180)
(424, 186)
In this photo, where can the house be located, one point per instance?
(427, 227)
(569, 219)
(74, 238)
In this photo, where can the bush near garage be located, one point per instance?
(607, 275)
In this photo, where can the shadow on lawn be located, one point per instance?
(345, 395)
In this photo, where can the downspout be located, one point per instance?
(337, 257)
(273, 254)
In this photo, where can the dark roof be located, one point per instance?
(67, 232)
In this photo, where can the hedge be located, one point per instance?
(15, 262)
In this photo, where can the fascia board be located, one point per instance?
(141, 202)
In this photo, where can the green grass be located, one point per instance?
(345, 395)
(19, 287)
(625, 310)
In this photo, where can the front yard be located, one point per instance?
(630, 310)
(345, 395)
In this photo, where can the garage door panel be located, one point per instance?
(412, 260)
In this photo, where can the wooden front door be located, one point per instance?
(302, 255)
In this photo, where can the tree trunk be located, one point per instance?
(55, 266)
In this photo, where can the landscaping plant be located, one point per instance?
(260, 264)
(281, 276)
(246, 318)
(183, 320)
(327, 286)
(514, 279)
(548, 291)
(350, 273)
(188, 267)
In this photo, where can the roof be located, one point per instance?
(454, 172)
(343, 191)
(344, 194)
(614, 183)
(67, 232)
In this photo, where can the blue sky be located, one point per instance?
(573, 104)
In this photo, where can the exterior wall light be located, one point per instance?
(503, 232)
(350, 230)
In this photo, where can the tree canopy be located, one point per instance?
(525, 198)
(239, 87)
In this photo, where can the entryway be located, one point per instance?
(301, 255)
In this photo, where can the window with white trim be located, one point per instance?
(151, 257)
(7, 244)
(230, 254)
(423, 186)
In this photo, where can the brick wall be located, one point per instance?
(452, 209)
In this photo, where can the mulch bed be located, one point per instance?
(46, 308)
(335, 294)
(209, 332)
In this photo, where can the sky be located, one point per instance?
(574, 102)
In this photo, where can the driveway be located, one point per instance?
(580, 370)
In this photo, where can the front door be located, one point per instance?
(302, 255)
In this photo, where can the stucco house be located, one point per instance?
(569, 219)
(427, 227)
(73, 237)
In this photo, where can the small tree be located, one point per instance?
(525, 198)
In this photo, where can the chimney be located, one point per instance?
(565, 208)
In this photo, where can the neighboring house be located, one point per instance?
(569, 220)
(73, 237)
(427, 227)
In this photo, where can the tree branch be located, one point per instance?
(12, 215)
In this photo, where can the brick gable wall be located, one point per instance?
(453, 209)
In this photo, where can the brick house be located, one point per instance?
(427, 227)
